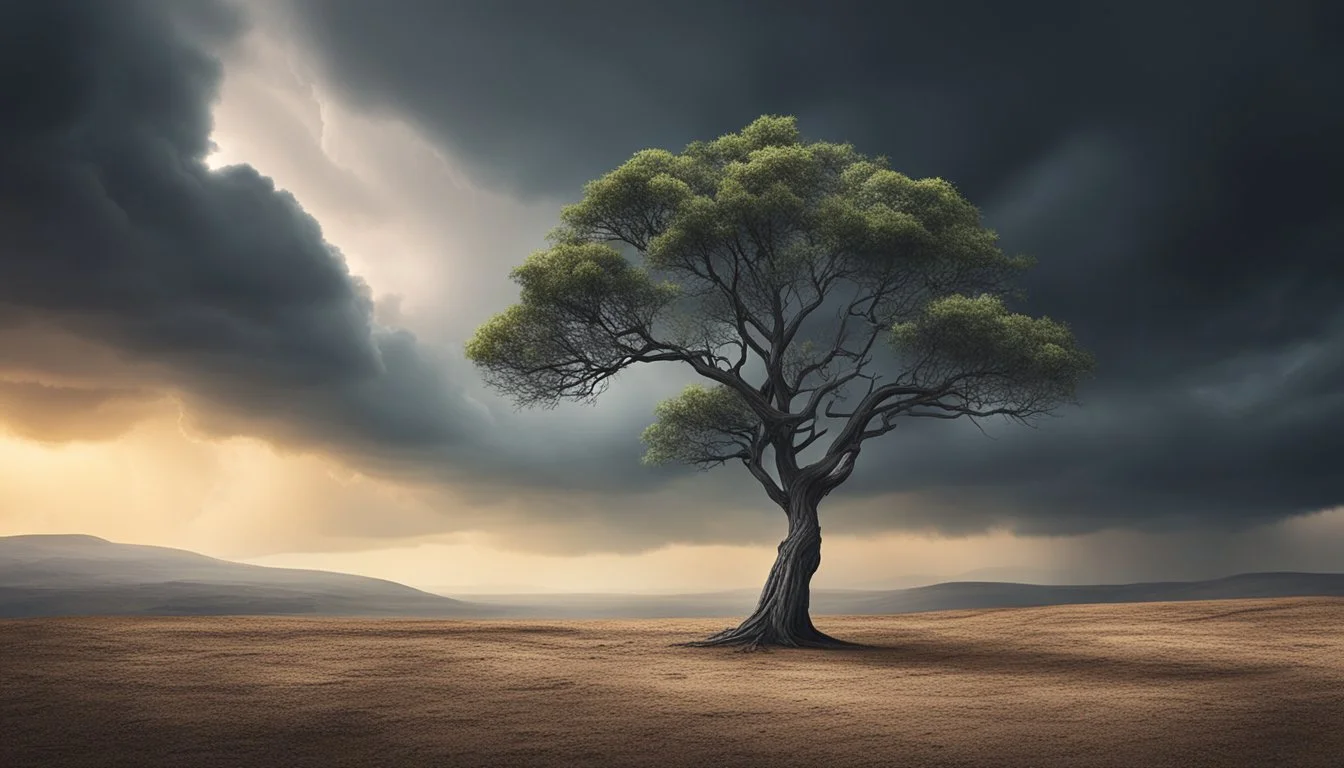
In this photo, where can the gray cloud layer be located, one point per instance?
(1175, 180)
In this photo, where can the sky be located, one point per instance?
(245, 242)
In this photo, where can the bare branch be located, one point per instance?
(813, 435)
(754, 465)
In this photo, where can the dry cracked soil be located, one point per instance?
(1222, 683)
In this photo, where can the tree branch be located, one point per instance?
(757, 469)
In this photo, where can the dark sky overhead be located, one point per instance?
(1173, 167)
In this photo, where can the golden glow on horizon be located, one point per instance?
(241, 499)
(231, 498)
(848, 561)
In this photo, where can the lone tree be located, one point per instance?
(772, 267)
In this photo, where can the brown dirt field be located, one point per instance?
(1225, 683)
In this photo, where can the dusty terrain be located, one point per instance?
(1224, 683)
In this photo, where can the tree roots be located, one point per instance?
(758, 638)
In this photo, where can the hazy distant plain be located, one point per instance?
(72, 575)
(1217, 683)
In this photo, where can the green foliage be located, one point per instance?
(702, 425)
(748, 235)
(585, 275)
(583, 309)
(1008, 358)
(765, 190)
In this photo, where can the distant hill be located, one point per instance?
(64, 575)
(84, 575)
(962, 595)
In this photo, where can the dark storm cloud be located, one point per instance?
(1174, 167)
(115, 231)
(134, 280)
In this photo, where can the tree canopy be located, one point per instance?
(814, 288)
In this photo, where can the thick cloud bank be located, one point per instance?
(218, 285)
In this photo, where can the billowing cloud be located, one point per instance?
(214, 282)
(136, 281)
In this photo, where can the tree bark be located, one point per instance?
(781, 617)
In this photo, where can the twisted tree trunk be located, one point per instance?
(781, 617)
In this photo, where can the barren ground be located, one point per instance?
(1225, 683)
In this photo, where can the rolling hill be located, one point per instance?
(64, 575)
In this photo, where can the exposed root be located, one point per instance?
(750, 638)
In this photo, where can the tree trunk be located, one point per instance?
(781, 617)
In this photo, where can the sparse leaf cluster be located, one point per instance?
(704, 426)
(996, 361)
(584, 315)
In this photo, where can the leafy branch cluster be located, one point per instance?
(772, 268)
